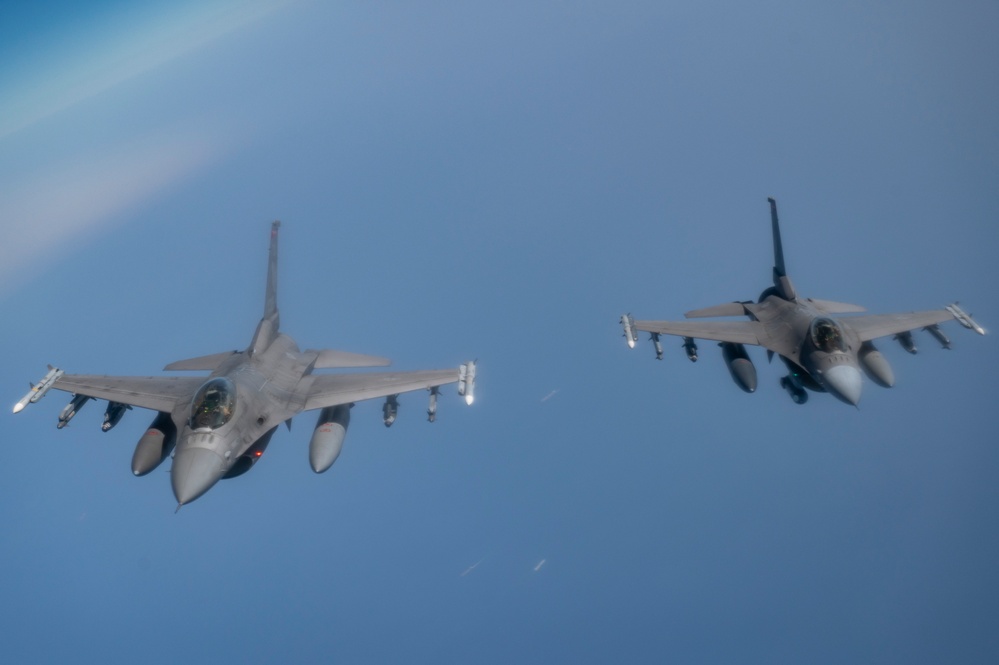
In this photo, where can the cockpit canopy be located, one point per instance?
(826, 335)
(214, 404)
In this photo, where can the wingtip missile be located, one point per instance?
(965, 319)
(629, 329)
(466, 381)
(39, 389)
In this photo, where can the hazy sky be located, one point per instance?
(502, 182)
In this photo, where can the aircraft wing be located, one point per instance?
(159, 393)
(741, 332)
(879, 325)
(332, 389)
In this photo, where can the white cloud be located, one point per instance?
(101, 56)
(44, 214)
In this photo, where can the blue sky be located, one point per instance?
(502, 183)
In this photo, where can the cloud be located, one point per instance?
(471, 568)
(44, 214)
(92, 58)
(52, 194)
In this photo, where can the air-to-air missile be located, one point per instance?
(432, 408)
(113, 414)
(38, 390)
(939, 335)
(466, 381)
(629, 329)
(905, 339)
(390, 410)
(656, 343)
(71, 409)
(965, 319)
(690, 346)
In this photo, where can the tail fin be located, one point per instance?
(781, 281)
(270, 298)
(271, 322)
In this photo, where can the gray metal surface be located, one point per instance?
(223, 427)
(820, 356)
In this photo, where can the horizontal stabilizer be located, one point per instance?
(201, 363)
(330, 359)
(833, 307)
(728, 309)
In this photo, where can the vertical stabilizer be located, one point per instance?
(270, 323)
(781, 281)
(778, 247)
(270, 298)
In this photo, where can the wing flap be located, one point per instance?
(159, 393)
(332, 389)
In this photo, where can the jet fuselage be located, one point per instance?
(261, 388)
(826, 358)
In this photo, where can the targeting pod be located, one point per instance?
(691, 348)
(390, 410)
(938, 335)
(659, 347)
(113, 415)
(466, 381)
(70, 410)
(629, 329)
(38, 390)
(432, 408)
(905, 339)
(962, 317)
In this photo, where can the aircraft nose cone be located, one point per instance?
(845, 383)
(194, 471)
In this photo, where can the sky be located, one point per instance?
(503, 181)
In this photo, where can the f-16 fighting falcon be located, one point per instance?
(222, 423)
(822, 353)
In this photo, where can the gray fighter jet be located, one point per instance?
(222, 424)
(822, 353)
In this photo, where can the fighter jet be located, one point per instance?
(221, 424)
(822, 353)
